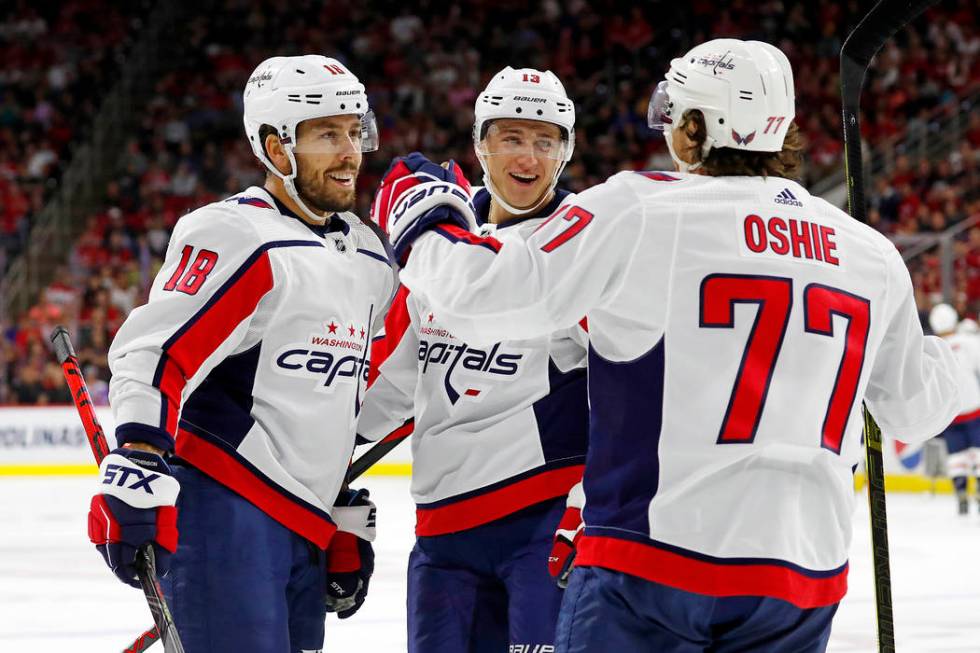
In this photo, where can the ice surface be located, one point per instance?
(56, 594)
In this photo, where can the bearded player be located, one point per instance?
(236, 387)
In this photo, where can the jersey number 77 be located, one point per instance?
(774, 298)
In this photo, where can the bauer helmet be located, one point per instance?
(285, 91)
(744, 89)
(524, 94)
(969, 326)
(943, 319)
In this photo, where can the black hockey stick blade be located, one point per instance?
(62, 344)
(154, 598)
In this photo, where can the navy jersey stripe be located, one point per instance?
(623, 463)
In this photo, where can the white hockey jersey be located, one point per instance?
(966, 348)
(253, 353)
(735, 325)
(496, 428)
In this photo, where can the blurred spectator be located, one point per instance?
(423, 65)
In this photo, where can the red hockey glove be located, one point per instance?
(562, 558)
(135, 505)
(416, 195)
(350, 557)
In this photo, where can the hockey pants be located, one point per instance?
(486, 589)
(240, 581)
(610, 611)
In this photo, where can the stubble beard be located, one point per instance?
(315, 191)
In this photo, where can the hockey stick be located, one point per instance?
(100, 449)
(380, 450)
(884, 19)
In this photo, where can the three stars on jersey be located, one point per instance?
(336, 354)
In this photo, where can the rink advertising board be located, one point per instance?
(46, 440)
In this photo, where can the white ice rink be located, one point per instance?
(56, 595)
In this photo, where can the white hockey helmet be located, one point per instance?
(943, 319)
(744, 89)
(969, 326)
(284, 91)
(524, 94)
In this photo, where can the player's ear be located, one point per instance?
(277, 153)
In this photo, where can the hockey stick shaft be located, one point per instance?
(881, 558)
(884, 19)
(65, 354)
(380, 450)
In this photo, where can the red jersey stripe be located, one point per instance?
(967, 417)
(224, 468)
(712, 579)
(401, 432)
(205, 332)
(457, 233)
(397, 322)
(485, 508)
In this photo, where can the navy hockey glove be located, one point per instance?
(416, 195)
(135, 505)
(350, 557)
(562, 558)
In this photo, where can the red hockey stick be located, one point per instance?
(100, 449)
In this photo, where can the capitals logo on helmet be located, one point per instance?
(744, 90)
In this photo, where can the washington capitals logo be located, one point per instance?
(478, 369)
(725, 62)
(742, 140)
(335, 354)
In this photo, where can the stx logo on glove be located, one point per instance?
(114, 472)
(427, 190)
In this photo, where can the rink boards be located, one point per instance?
(49, 440)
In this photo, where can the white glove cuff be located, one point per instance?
(134, 485)
(357, 520)
(576, 497)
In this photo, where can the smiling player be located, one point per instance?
(248, 362)
(499, 431)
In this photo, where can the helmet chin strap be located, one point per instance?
(684, 166)
(289, 182)
(499, 198)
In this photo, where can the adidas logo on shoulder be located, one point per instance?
(786, 197)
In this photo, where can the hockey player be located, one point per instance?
(963, 435)
(968, 326)
(736, 323)
(500, 430)
(248, 363)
